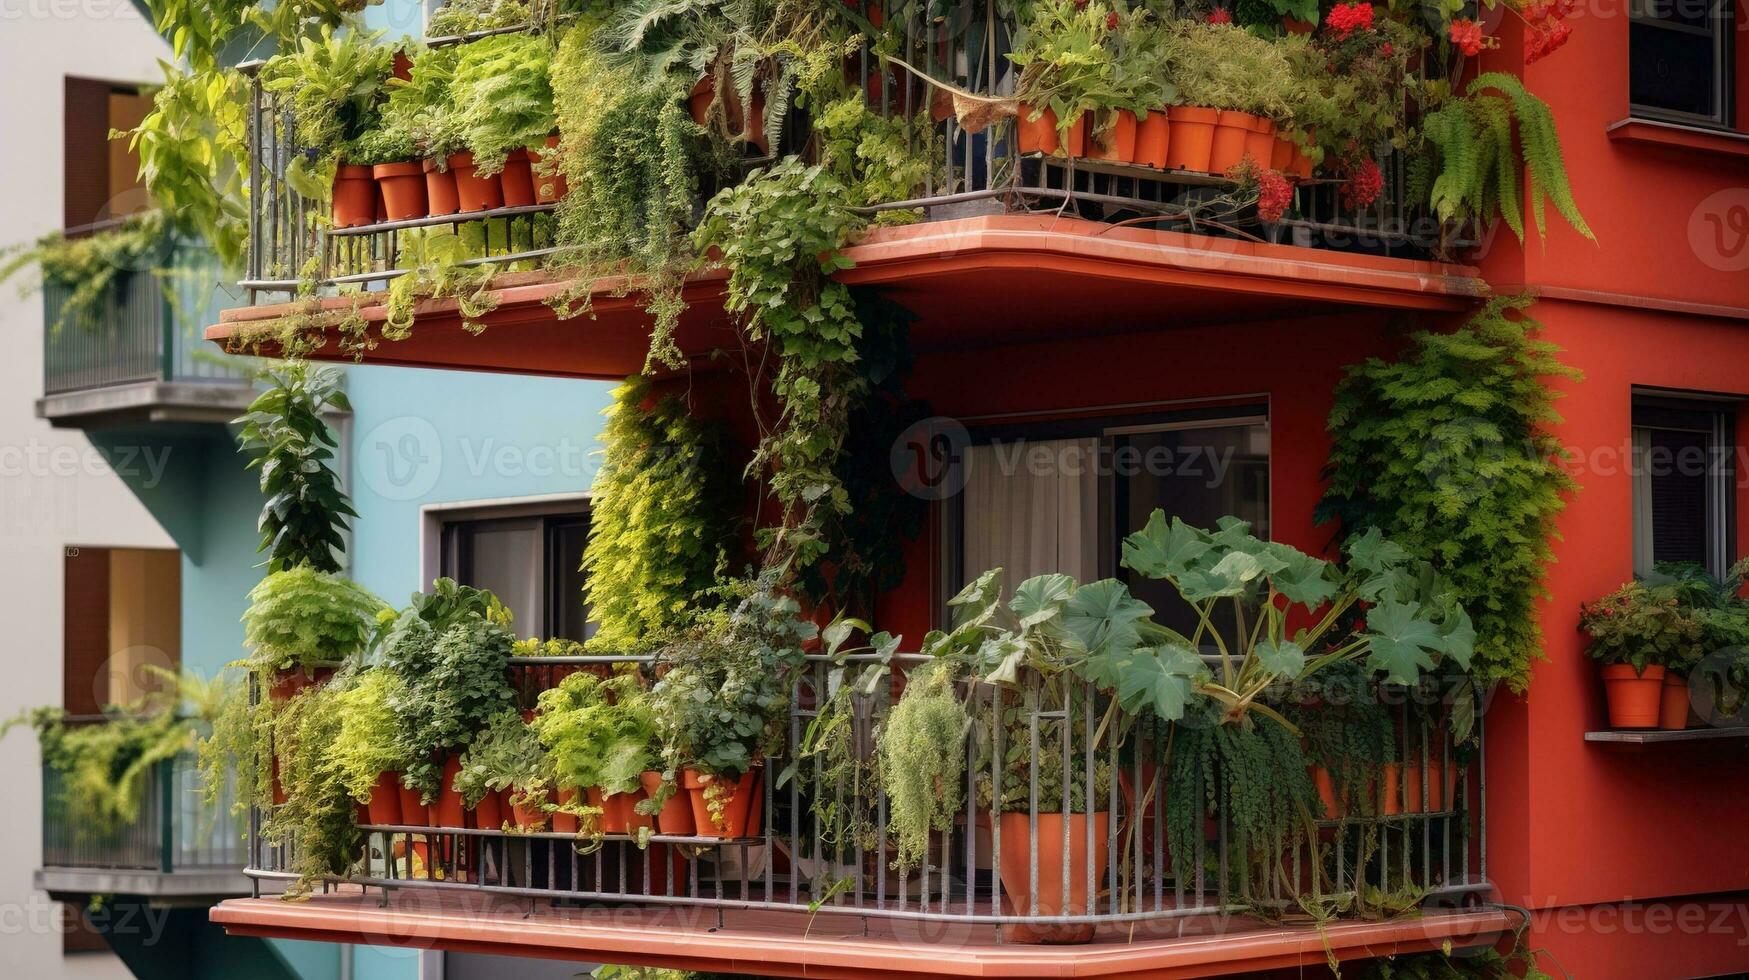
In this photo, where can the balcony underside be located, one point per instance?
(202, 886)
(798, 945)
(971, 282)
(146, 401)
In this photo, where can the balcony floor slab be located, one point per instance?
(171, 887)
(792, 944)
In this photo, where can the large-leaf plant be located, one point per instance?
(284, 431)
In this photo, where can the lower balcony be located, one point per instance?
(176, 849)
(806, 881)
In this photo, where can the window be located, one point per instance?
(1683, 483)
(532, 563)
(1063, 500)
(1679, 60)
(101, 175)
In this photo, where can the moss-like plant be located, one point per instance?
(1223, 66)
(660, 525)
(367, 743)
(601, 733)
(304, 618)
(1348, 731)
(922, 762)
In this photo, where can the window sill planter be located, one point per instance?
(1634, 699)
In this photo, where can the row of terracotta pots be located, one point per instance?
(404, 191)
(1655, 698)
(1189, 138)
(1396, 791)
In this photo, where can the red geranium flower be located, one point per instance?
(1111, 21)
(1346, 18)
(1467, 35)
(1220, 16)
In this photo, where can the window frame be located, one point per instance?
(553, 511)
(1715, 417)
(1723, 35)
(949, 551)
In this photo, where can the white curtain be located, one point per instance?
(1032, 508)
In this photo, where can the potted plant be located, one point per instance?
(1636, 632)
(1142, 77)
(602, 737)
(1349, 738)
(422, 105)
(303, 624)
(393, 158)
(504, 97)
(723, 700)
(367, 748)
(505, 763)
(333, 84)
(1066, 73)
(1724, 620)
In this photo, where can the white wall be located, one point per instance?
(54, 490)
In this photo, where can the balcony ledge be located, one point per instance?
(797, 945)
(192, 886)
(146, 402)
(1026, 277)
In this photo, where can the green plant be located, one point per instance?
(318, 818)
(1223, 66)
(300, 617)
(1447, 449)
(922, 761)
(103, 766)
(601, 733)
(466, 16)
(503, 93)
(289, 442)
(506, 755)
(1643, 626)
(91, 266)
(436, 260)
(1347, 730)
(1476, 140)
(366, 743)
(333, 85)
(660, 523)
(385, 144)
(723, 698)
(450, 693)
(422, 106)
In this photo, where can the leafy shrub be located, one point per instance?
(1644, 626)
(367, 743)
(502, 91)
(601, 733)
(922, 762)
(284, 433)
(302, 617)
(505, 755)
(1447, 450)
(450, 696)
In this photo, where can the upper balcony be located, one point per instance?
(133, 353)
(175, 847)
(988, 218)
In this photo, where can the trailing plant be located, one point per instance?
(1477, 141)
(449, 697)
(435, 263)
(502, 92)
(103, 766)
(288, 441)
(1447, 450)
(300, 617)
(661, 521)
(506, 755)
(723, 698)
(601, 732)
(1347, 730)
(922, 762)
(367, 742)
(318, 818)
(91, 267)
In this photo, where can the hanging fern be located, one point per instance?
(1477, 175)
(922, 759)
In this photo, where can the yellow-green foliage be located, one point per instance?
(659, 524)
(304, 617)
(366, 744)
(922, 755)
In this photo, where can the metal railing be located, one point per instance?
(823, 842)
(146, 327)
(173, 830)
(292, 248)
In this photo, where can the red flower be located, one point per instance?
(1111, 21)
(1387, 50)
(1543, 42)
(1467, 35)
(1220, 16)
(1364, 183)
(1274, 194)
(1346, 18)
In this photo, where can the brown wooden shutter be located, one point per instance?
(85, 129)
(85, 631)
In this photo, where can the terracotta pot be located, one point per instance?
(1412, 788)
(1153, 140)
(1281, 155)
(355, 196)
(620, 809)
(549, 188)
(475, 193)
(489, 812)
(1437, 791)
(566, 823)
(403, 187)
(517, 180)
(739, 817)
(1036, 135)
(1016, 873)
(1634, 699)
(1231, 134)
(414, 813)
(440, 195)
(675, 817)
(698, 101)
(1326, 786)
(1673, 708)
(1260, 142)
(1193, 133)
(529, 816)
(751, 125)
(384, 807)
(1074, 141)
(447, 809)
(1119, 144)
(1302, 165)
(1390, 786)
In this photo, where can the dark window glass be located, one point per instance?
(1678, 61)
(530, 563)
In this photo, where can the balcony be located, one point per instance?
(175, 849)
(811, 882)
(137, 357)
